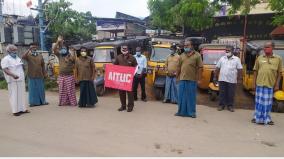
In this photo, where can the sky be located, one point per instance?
(99, 8)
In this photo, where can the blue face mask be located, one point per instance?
(63, 52)
(13, 54)
(138, 54)
(187, 50)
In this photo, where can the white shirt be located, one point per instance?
(15, 66)
(229, 68)
(142, 63)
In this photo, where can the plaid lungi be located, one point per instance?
(263, 104)
(67, 93)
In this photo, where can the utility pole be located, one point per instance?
(41, 25)
(1, 10)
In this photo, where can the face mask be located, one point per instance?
(268, 51)
(187, 50)
(63, 52)
(34, 53)
(229, 54)
(138, 54)
(83, 54)
(13, 54)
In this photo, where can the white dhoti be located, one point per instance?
(17, 96)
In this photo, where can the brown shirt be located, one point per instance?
(66, 64)
(189, 66)
(36, 67)
(172, 63)
(85, 69)
(123, 60)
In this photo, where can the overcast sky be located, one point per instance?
(99, 8)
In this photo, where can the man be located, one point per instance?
(66, 80)
(230, 69)
(172, 62)
(36, 74)
(126, 59)
(268, 68)
(12, 66)
(140, 75)
(86, 71)
(189, 71)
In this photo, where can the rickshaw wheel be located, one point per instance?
(213, 95)
(100, 90)
(158, 93)
(278, 106)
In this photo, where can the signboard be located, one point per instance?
(119, 77)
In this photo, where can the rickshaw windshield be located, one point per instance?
(211, 57)
(160, 54)
(102, 55)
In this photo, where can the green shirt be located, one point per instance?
(267, 70)
(189, 66)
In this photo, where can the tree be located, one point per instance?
(73, 25)
(174, 14)
(278, 6)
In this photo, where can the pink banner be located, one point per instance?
(119, 77)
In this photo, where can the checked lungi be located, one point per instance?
(263, 104)
(67, 93)
(171, 92)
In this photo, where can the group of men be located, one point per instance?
(183, 73)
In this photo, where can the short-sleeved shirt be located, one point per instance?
(84, 68)
(267, 70)
(36, 66)
(142, 63)
(229, 68)
(15, 66)
(172, 63)
(128, 60)
(66, 65)
(189, 65)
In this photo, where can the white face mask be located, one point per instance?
(229, 54)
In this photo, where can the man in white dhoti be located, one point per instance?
(12, 66)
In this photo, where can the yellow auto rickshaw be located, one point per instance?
(156, 76)
(253, 50)
(211, 53)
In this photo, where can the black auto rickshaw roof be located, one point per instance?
(89, 45)
(121, 41)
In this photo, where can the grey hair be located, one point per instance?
(11, 47)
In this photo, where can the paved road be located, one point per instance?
(151, 130)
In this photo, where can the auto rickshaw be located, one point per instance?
(156, 75)
(211, 53)
(253, 50)
(106, 52)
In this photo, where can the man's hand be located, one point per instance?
(15, 77)
(276, 88)
(60, 39)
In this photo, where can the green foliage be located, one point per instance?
(278, 6)
(173, 14)
(3, 84)
(68, 22)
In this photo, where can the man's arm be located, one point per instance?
(25, 55)
(43, 68)
(255, 74)
(93, 69)
(57, 45)
(279, 72)
(9, 73)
